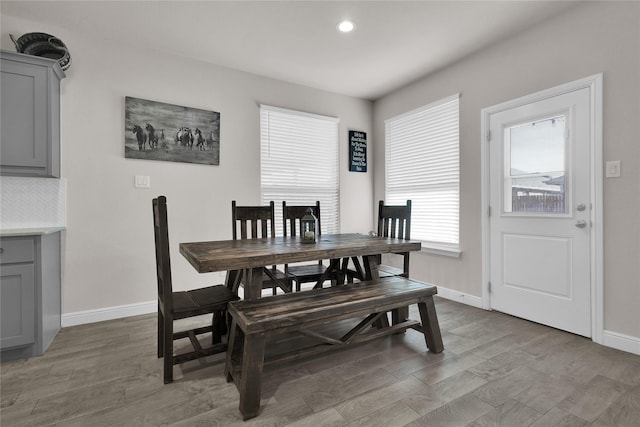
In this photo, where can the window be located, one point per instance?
(423, 164)
(534, 175)
(299, 162)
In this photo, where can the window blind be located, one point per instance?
(423, 164)
(299, 163)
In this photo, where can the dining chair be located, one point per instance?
(175, 305)
(393, 221)
(255, 222)
(291, 225)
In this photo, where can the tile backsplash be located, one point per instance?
(32, 202)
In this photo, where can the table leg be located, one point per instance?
(371, 273)
(370, 267)
(253, 283)
(232, 280)
(333, 268)
(357, 274)
(398, 315)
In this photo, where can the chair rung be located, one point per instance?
(192, 355)
(194, 342)
(197, 331)
(387, 270)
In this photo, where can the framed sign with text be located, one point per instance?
(357, 151)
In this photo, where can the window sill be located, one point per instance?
(441, 249)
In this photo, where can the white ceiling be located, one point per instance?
(395, 42)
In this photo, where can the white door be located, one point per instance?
(540, 211)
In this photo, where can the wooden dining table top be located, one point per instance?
(221, 255)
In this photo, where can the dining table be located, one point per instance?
(246, 259)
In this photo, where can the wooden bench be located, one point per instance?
(254, 320)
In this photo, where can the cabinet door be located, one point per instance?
(17, 303)
(30, 119)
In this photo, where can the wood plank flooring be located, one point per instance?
(496, 370)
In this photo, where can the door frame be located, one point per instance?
(594, 83)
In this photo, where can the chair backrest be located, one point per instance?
(394, 221)
(291, 216)
(163, 262)
(258, 219)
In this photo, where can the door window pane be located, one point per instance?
(535, 170)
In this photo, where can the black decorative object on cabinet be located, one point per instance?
(43, 45)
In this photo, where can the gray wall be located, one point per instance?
(109, 246)
(108, 262)
(586, 40)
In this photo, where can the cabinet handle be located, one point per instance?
(1, 250)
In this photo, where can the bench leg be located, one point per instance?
(430, 325)
(234, 350)
(251, 375)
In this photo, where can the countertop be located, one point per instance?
(10, 232)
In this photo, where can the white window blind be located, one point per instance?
(299, 163)
(423, 164)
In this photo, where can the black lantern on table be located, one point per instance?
(309, 227)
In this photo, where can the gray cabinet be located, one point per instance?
(29, 294)
(30, 132)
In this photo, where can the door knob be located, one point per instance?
(581, 223)
(581, 207)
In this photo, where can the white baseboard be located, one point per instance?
(109, 313)
(621, 342)
(458, 296)
(610, 339)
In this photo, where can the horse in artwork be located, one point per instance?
(140, 136)
(163, 141)
(210, 141)
(199, 139)
(153, 138)
(184, 137)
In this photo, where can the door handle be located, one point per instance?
(581, 223)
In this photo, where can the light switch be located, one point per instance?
(612, 169)
(142, 181)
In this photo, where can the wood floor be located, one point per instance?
(496, 370)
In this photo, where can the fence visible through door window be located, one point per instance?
(535, 166)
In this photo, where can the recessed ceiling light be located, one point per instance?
(346, 26)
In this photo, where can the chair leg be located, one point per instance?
(160, 334)
(216, 327)
(224, 323)
(168, 349)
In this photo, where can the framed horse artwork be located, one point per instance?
(172, 133)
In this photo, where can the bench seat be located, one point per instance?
(254, 320)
